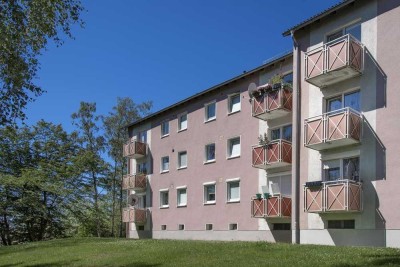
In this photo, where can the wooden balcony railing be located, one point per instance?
(134, 182)
(277, 153)
(334, 61)
(333, 196)
(272, 207)
(333, 129)
(134, 149)
(134, 215)
(273, 103)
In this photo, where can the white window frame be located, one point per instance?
(180, 121)
(205, 198)
(141, 134)
(230, 227)
(183, 227)
(180, 167)
(163, 227)
(206, 118)
(162, 128)
(230, 97)
(341, 167)
(228, 147)
(207, 224)
(343, 29)
(162, 170)
(162, 196)
(341, 95)
(206, 161)
(228, 192)
(178, 189)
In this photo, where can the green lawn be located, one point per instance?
(122, 252)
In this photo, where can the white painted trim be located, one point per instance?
(233, 180)
(210, 183)
(205, 111)
(181, 187)
(272, 175)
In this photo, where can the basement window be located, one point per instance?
(341, 224)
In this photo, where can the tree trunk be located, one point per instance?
(113, 199)
(96, 205)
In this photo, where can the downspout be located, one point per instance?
(297, 142)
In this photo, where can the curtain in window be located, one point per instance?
(235, 103)
(182, 197)
(210, 152)
(211, 111)
(351, 169)
(235, 147)
(165, 164)
(234, 190)
(183, 159)
(183, 122)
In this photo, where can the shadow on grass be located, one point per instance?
(374, 260)
(68, 263)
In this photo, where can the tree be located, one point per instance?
(93, 168)
(125, 112)
(26, 26)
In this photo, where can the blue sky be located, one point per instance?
(160, 50)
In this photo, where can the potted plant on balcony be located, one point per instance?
(263, 140)
(266, 195)
(258, 196)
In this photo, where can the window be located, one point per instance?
(164, 199)
(341, 224)
(163, 227)
(209, 226)
(182, 160)
(348, 168)
(182, 197)
(234, 103)
(210, 153)
(233, 194)
(182, 122)
(142, 136)
(140, 227)
(233, 226)
(234, 147)
(281, 226)
(209, 194)
(351, 100)
(141, 168)
(284, 132)
(181, 227)
(354, 30)
(164, 128)
(210, 112)
(288, 78)
(165, 164)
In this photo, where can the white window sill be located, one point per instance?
(233, 201)
(167, 171)
(182, 206)
(163, 136)
(182, 168)
(182, 130)
(210, 120)
(209, 161)
(233, 157)
(164, 207)
(210, 203)
(234, 112)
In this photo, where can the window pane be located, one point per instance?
(235, 147)
(210, 152)
(182, 197)
(165, 163)
(351, 168)
(234, 103)
(333, 174)
(210, 111)
(182, 159)
(288, 78)
(287, 133)
(165, 128)
(164, 198)
(354, 30)
(183, 122)
(234, 191)
(142, 136)
(210, 193)
(334, 104)
(334, 36)
(275, 134)
(352, 100)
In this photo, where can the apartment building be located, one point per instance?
(301, 149)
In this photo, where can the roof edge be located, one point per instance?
(318, 16)
(215, 87)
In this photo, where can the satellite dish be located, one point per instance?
(251, 89)
(133, 200)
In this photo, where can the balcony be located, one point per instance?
(273, 103)
(134, 215)
(272, 207)
(333, 196)
(333, 129)
(134, 149)
(135, 182)
(277, 153)
(335, 61)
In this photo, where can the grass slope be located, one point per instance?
(122, 252)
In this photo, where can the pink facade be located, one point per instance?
(318, 157)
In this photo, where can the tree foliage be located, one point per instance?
(26, 26)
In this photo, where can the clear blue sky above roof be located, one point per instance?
(163, 51)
